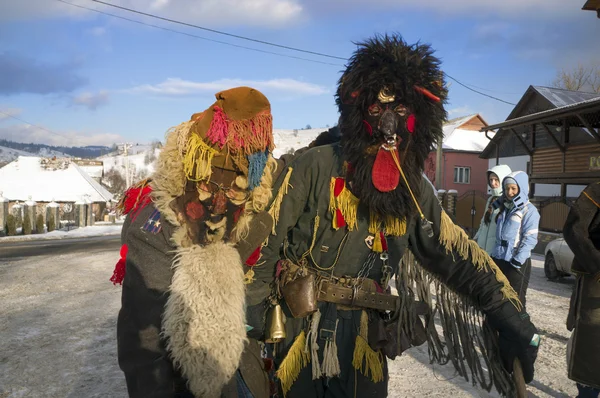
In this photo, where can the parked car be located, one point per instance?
(558, 259)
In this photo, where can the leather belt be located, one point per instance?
(355, 297)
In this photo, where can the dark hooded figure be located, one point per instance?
(345, 214)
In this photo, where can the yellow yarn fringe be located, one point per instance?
(377, 246)
(365, 359)
(276, 205)
(198, 159)
(453, 238)
(346, 202)
(296, 359)
(391, 226)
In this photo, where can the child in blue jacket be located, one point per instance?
(516, 232)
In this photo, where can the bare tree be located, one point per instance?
(579, 78)
(114, 181)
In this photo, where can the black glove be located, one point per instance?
(526, 353)
(516, 332)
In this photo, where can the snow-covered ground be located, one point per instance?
(59, 318)
(99, 229)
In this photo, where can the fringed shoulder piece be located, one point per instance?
(135, 198)
(453, 238)
(276, 205)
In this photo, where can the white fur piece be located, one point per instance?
(204, 319)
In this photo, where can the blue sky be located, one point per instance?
(92, 79)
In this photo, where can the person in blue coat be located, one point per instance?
(516, 232)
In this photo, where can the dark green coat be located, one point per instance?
(582, 234)
(149, 372)
(309, 195)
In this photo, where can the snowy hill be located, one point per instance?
(7, 155)
(142, 157)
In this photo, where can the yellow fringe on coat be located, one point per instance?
(276, 205)
(367, 361)
(295, 360)
(346, 202)
(454, 238)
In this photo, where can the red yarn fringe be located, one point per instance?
(119, 272)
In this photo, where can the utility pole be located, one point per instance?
(126, 147)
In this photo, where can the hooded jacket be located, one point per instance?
(486, 234)
(517, 224)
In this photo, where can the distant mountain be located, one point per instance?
(86, 152)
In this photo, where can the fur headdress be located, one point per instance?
(411, 74)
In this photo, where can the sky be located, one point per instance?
(72, 76)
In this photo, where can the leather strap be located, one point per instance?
(338, 294)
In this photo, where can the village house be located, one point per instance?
(554, 135)
(46, 180)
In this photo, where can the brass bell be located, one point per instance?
(275, 325)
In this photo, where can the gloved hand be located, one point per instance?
(515, 263)
(518, 338)
(526, 353)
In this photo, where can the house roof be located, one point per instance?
(459, 139)
(556, 98)
(47, 180)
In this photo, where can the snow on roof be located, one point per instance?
(287, 140)
(459, 139)
(66, 182)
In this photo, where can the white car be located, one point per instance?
(558, 259)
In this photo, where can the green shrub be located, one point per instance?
(27, 224)
(11, 225)
(39, 224)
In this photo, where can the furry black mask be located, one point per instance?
(393, 93)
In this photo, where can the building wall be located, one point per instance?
(517, 163)
(459, 159)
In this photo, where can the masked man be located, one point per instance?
(582, 233)
(346, 213)
(181, 328)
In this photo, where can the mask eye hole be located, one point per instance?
(374, 110)
(401, 110)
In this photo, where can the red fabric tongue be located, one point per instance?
(385, 173)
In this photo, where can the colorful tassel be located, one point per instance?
(218, 130)
(276, 205)
(365, 360)
(295, 360)
(384, 245)
(391, 226)
(377, 246)
(331, 362)
(339, 219)
(198, 157)
(119, 272)
(312, 344)
(253, 259)
(344, 203)
(135, 198)
(256, 165)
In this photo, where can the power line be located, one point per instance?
(218, 31)
(479, 92)
(196, 36)
(35, 125)
(244, 38)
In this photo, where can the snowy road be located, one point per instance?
(58, 324)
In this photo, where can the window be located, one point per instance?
(462, 175)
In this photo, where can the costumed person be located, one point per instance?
(517, 226)
(182, 326)
(582, 233)
(486, 234)
(345, 215)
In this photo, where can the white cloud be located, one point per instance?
(273, 13)
(463, 110)
(92, 101)
(513, 8)
(33, 134)
(179, 87)
(6, 113)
